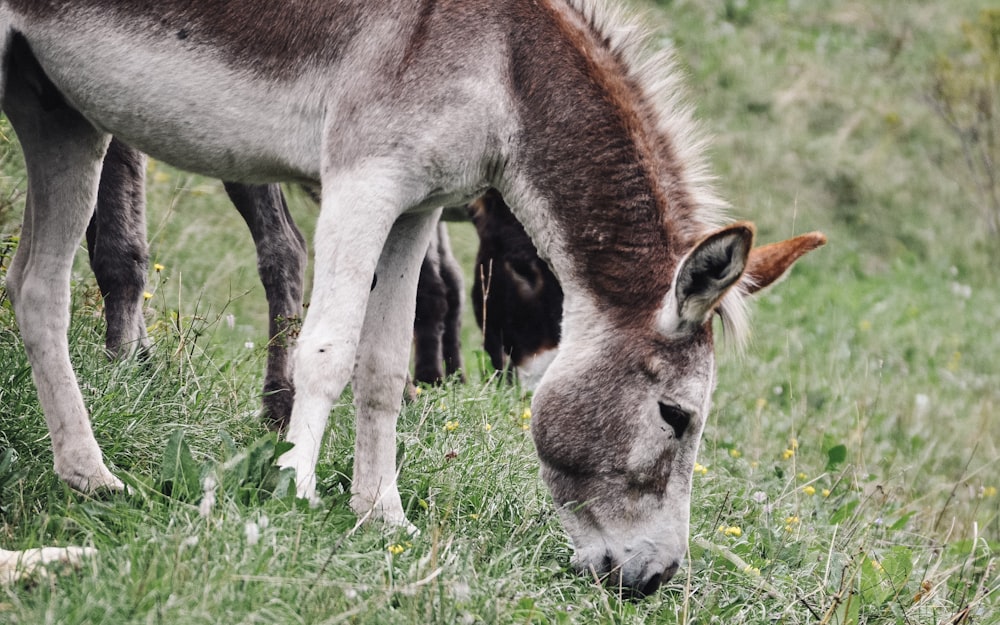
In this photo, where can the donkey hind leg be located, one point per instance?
(451, 275)
(119, 254)
(281, 263)
(353, 226)
(63, 155)
(380, 374)
(428, 324)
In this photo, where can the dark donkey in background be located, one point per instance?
(516, 298)
(119, 256)
(394, 109)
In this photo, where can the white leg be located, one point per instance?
(15, 565)
(63, 156)
(382, 364)
(358, 210)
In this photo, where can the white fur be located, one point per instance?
(16, 565)
(530, 372)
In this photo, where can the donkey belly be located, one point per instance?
(188, 110)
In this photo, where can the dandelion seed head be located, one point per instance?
(252, 532)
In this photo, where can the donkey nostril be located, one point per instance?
(675, 417)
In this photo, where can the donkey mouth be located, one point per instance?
(639, 586)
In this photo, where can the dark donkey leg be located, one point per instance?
(437, 327)
(281, 263)
(116, 243)
(432, 308)
(451, 275)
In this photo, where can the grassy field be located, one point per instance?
(848, 474)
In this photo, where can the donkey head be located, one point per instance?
(619, 414)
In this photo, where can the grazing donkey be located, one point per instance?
(395, 108)
(516, 298)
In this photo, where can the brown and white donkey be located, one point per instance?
(395, 108)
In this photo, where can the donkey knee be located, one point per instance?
(321, 369)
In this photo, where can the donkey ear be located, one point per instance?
(704, 277)
(768, 263)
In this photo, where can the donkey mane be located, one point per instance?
(654, 71)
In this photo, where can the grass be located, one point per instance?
(848, 473)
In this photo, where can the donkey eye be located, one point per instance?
(675, 417)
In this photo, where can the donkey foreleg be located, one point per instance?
(62, 154)
(380, 374)
(119, 254)
(281, 263)
(350, 233)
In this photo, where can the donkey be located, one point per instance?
(395, 109)
(516, 298)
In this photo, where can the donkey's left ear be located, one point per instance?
(768, 263)
(704, 277)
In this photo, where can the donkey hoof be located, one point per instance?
(98, 481)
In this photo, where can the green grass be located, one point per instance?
(854, 444)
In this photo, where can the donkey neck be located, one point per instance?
(611, 205)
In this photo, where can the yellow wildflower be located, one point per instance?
(809, 490)
(396, 549)
(526, 414)
(700, 468)
(988, 491)
(790, 523)
(158, 267)
(418, 391)
(876, 564)
(730, 530)
(761, 403)
(146, 295)
(826, 492)
(487, 427)
(793, 443)
(735, 453)
(451, 426)
(802, 476)
(752, 570)
(788, 453)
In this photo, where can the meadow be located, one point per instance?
(849, 471)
